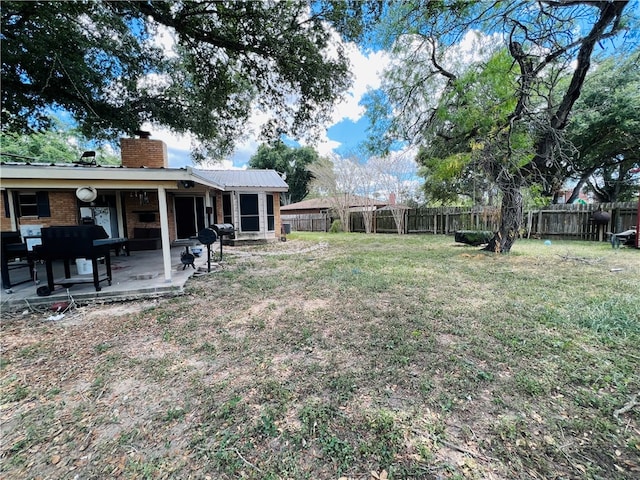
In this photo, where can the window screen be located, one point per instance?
(271, 219)
(249, 216)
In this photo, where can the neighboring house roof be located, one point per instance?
(396, 206)
(311, 204)
(325, 203)
(243, 179)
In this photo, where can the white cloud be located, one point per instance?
(366, 71)
(326, 146)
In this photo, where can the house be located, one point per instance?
(316, 214)
(323, 205)
(142, 199)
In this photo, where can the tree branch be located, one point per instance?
(452, 78)
(182, 28)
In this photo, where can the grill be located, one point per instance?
(223, 230)
(78, 241)
(206, 237)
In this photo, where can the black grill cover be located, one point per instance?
(223, 228)
(207, 236)
(72, 241)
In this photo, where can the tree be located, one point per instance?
(515, 139)
(291, 163)
(59, 144)
(366, 182)
(103, 63)
(605, 131)
(396, 179)
(335, 179)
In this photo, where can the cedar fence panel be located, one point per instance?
(310, 222)
(384, 222)
(556, 221)
(552, 221)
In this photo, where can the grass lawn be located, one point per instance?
(345, 355)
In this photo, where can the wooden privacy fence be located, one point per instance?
(309, 222)
(556, 221)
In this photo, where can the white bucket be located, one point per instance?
(84, 266)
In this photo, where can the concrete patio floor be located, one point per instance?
(140, 275)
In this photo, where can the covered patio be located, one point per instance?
(140, 275)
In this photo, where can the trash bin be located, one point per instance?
(286, 228)
(84, 266)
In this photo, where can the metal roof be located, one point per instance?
(62, 173)
(243, 179)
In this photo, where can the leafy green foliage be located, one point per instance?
(605, 130)
(103, 63)
(59, 144)
(336, 226)
(291, 163)
(467, 132)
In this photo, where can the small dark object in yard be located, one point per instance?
(187, 259)
(473, 237)
(615, 241)
(43, 291)
(600, 218)
(628, 237)
(59, 306)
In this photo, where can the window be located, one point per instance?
(214, 210)
(199, 213)
(249, 214)
(33, 204)
(271, 219)
(27, 205)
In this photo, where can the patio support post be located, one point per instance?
(122, 232)
(207, 207)
(164, 233)
(12, 211)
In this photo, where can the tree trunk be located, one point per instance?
(575, 194)
(510, 220)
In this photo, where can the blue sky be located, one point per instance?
(343, 134)
(346, 135)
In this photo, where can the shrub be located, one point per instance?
(336, 226)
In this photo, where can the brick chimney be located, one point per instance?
(143, 152)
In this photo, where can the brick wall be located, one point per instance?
(219, 210)
(64, 211)
(132, 208)
(143, 152)
(5, 222)
(276, 211)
